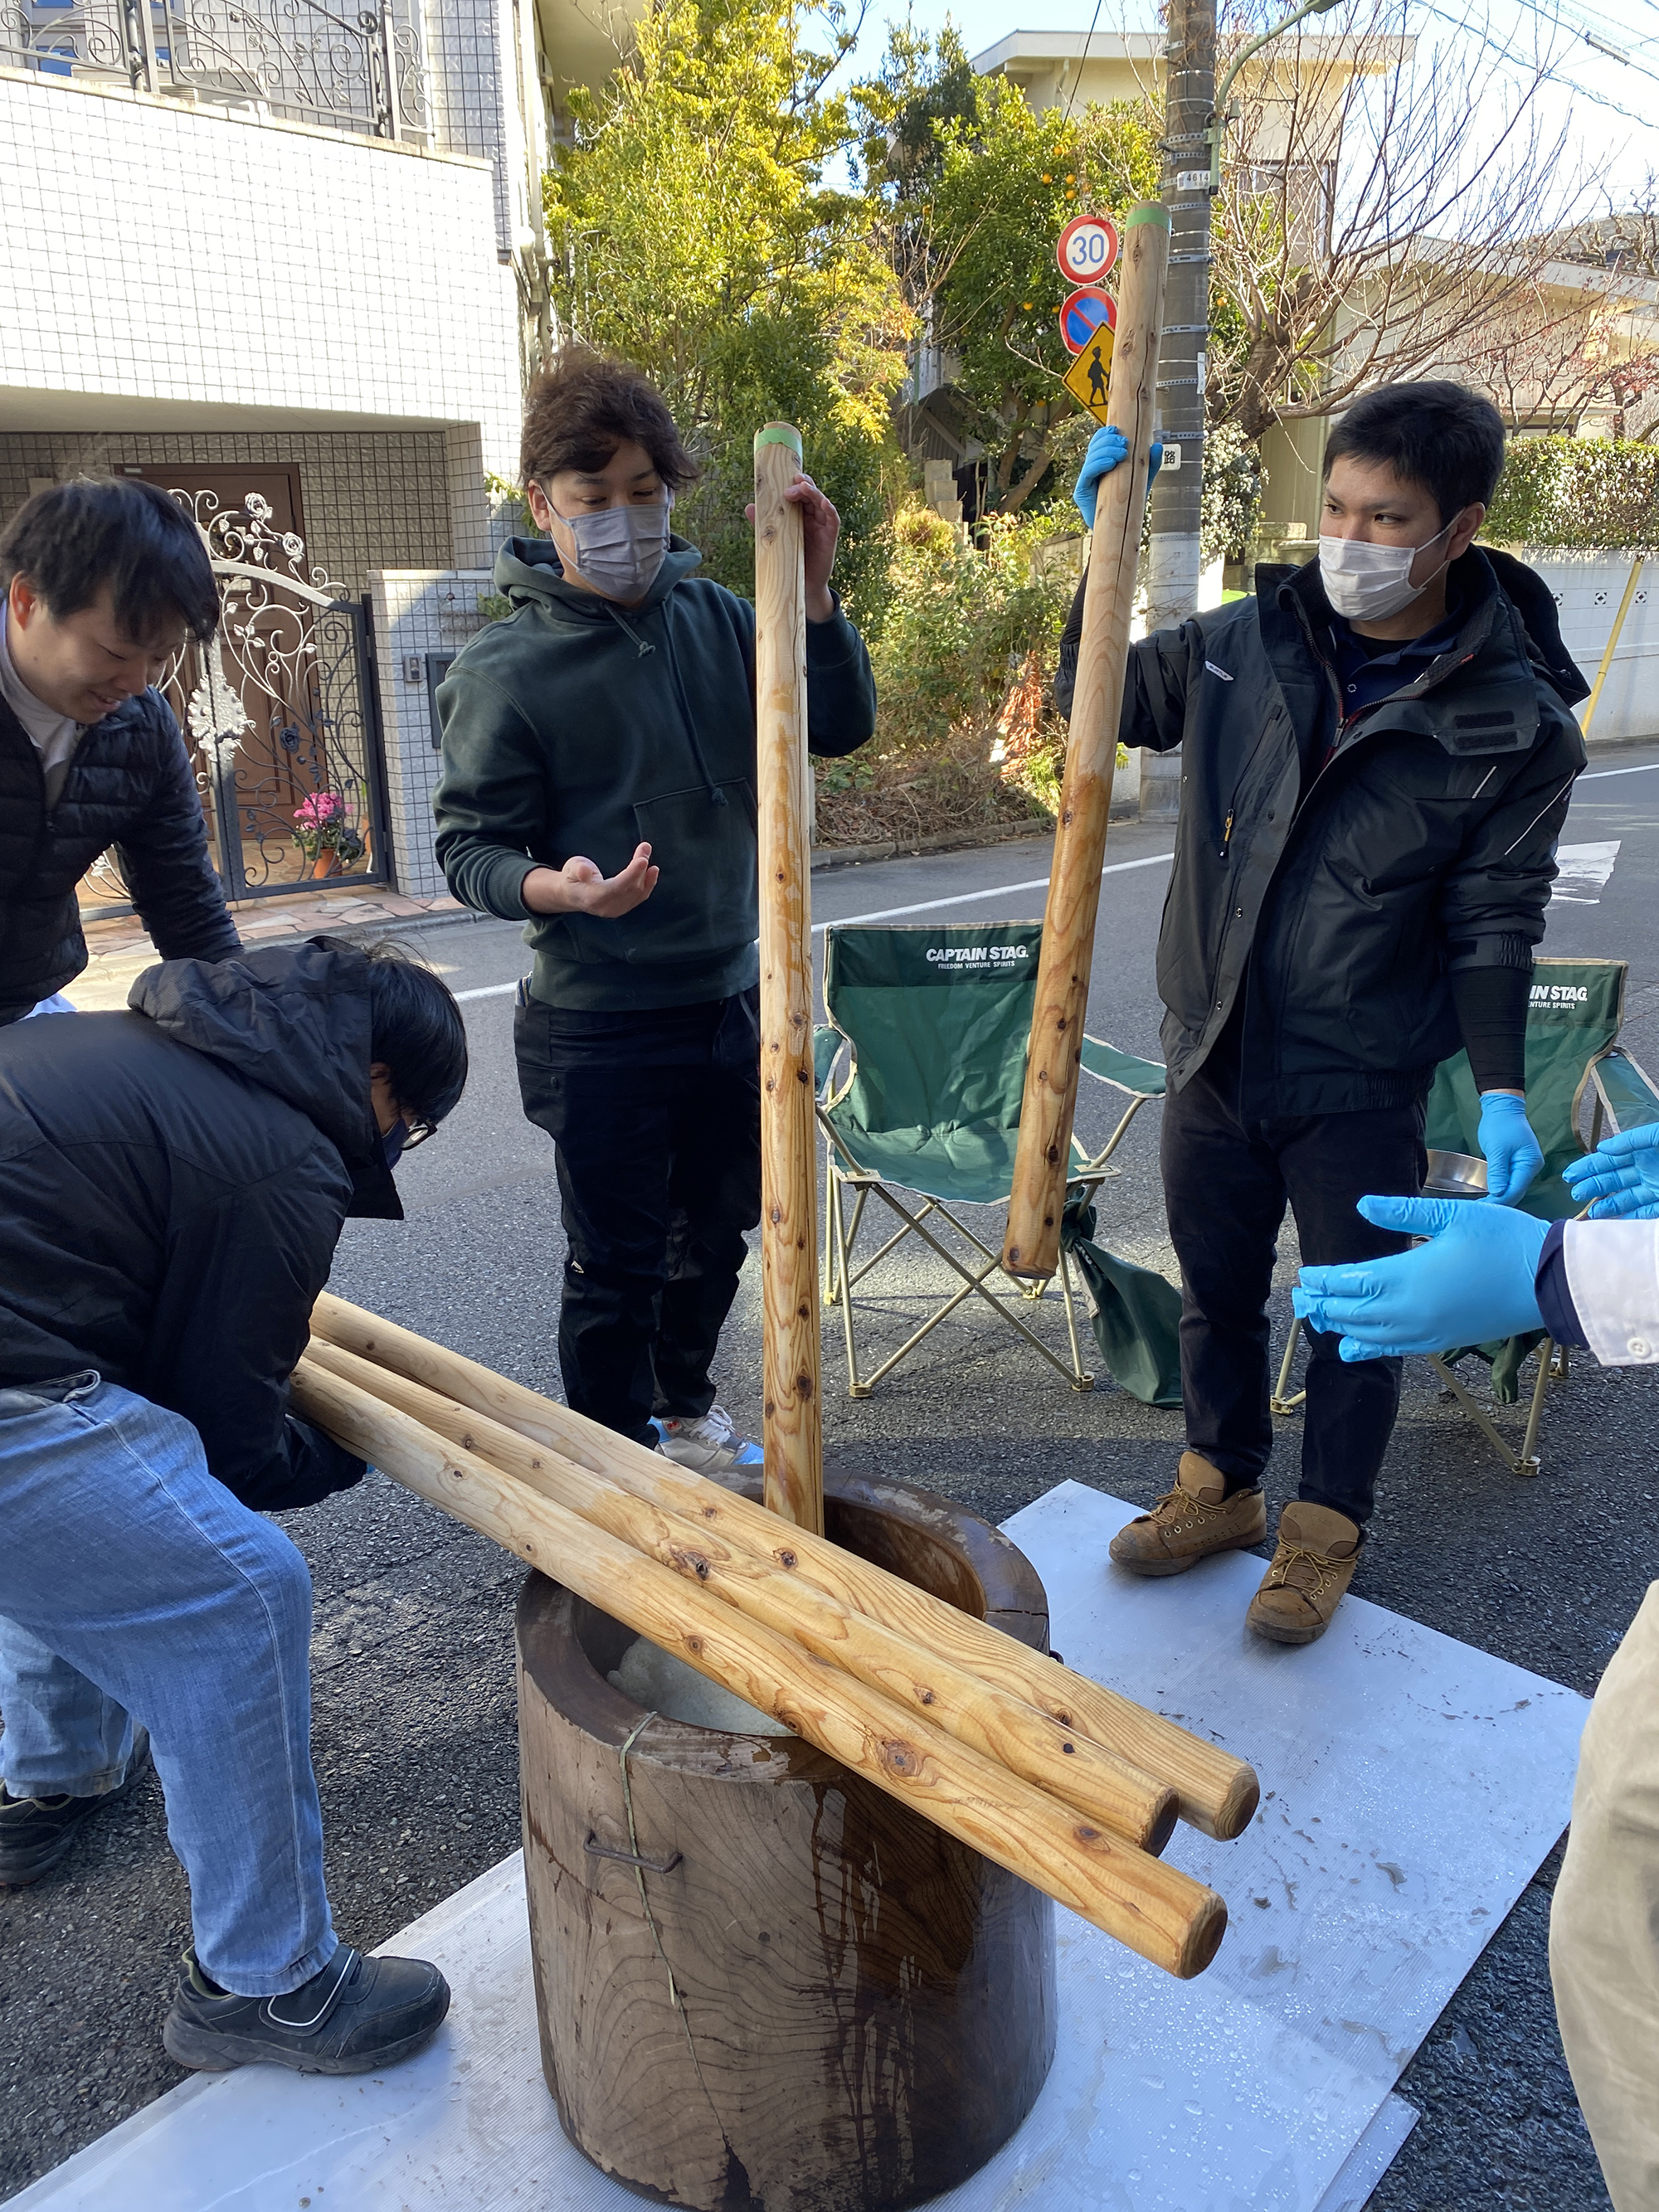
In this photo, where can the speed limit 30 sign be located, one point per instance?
(1088, 248)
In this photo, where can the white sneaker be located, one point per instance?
(710, 1445)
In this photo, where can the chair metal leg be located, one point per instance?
(970, 1285)
(1081, 1377)
(1525, 1462)
(1280, 1403)
(855, 1388)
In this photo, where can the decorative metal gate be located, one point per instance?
(280, 716)
(281, 713)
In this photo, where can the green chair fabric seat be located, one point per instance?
(938, 1017)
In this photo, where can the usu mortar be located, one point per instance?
(866, 2006)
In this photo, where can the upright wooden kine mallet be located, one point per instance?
(1043, 1160)
(792, 1431)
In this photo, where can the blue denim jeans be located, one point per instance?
(134, 1586)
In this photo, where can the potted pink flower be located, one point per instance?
(325, 834)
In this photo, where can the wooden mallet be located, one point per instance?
(1043, 1160)
(791, 1430)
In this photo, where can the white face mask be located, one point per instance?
(1366, 582)
(620, 548)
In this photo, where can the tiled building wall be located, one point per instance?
(417, 615)
(370, 498)
(465, 58)
(253, 263)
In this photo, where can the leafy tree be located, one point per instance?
(693, 232)
(976, 215)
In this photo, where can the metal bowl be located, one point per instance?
(1455, 1174)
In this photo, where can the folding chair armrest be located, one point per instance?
(1625, 1091)
(1124, 1071)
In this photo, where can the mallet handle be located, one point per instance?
(1042, 1160)
(792, 1422)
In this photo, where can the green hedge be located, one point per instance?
(1580, 492)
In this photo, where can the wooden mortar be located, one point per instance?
(822, 2002)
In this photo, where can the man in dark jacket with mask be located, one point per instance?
(599, 782)
(173, 1183)
(1377, 755)
(104, 583)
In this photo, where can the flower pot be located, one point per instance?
(325, 863)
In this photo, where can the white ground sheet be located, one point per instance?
(1411, 1786)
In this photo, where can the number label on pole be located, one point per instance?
(1088, 248)
(1086, 311)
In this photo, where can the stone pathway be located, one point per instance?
(120, 949)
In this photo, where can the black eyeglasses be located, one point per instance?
(418, 1134)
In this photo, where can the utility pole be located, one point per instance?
(1173, 566)
(1196, 118)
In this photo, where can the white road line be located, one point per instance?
(1583, 871)
(968, 899)
(1597, 774)
(893, 913)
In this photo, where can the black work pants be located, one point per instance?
(1226, 1182)
(656, 1119)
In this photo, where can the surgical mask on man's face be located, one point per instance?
(392, 1141)
(620, 548)
(1366, 582)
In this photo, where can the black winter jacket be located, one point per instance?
(129, 785)
(173, 1183)
(1343, 898)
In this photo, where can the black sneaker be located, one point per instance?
(36, 1832)
(356, 2016)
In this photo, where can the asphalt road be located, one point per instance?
(414, 1741)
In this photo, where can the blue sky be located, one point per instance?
(1589, 87)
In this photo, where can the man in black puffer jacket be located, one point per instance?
(1377, 755)
(173, 1183)
(104, 583)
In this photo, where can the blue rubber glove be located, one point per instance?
(1513, 1155)
(1622, 1175)
(1472, 1282)
(1106, 449)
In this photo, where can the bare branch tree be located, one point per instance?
(1380, 208)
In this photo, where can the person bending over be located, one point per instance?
(598, 784)
(173, 1183)
(1378, 753)
(104, 583)
(1485, 1273)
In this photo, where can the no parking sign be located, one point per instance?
(1086, 311)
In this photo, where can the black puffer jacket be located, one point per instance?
(129, 785)
(173, 1184)
(1348, 894)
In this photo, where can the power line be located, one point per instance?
(1081, 59)
(1544, 71)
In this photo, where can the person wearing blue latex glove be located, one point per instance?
(1471, 1282)
(1489, 1272)
(1512, 1153)
(1621, 1176)
(1106, 449)
(1376, 755)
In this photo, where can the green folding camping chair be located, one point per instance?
(1573, 1019)
(938, 1019)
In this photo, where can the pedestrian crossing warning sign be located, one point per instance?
(1086, 378)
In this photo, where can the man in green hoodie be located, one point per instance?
(598, 784)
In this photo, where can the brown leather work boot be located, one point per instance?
(1313, 1565)
(1190, 1521)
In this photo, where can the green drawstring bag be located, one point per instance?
(1137, 1313)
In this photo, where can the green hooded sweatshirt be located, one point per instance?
(578, 725)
